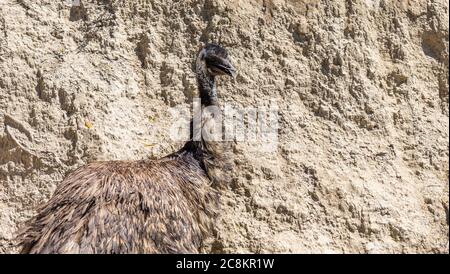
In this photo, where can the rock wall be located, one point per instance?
(361, 86)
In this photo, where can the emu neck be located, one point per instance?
(206, 86)
(210, 154)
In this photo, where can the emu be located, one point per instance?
(148, 206)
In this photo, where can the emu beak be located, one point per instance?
(231, 71)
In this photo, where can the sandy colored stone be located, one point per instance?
(362, 90)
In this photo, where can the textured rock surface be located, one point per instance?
(361, 86)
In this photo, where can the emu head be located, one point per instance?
(214, 60)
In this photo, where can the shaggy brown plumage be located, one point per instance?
(148, 206)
